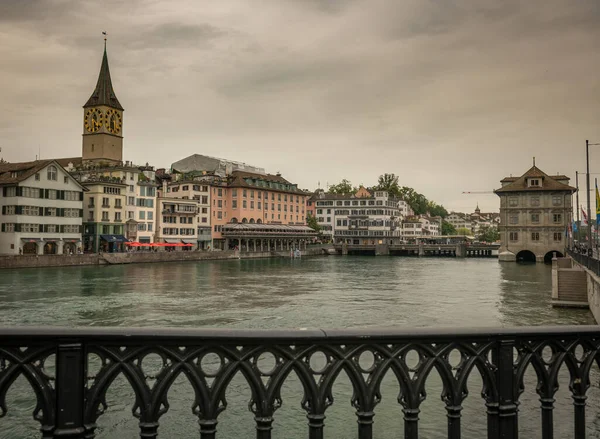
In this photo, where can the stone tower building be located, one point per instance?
(103, 122)
(535, 211)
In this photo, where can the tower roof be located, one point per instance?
(104, 94)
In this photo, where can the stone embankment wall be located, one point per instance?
(593, 294)
(136, 258)
(15, 261)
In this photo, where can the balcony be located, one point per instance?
(70, 398)
(105, 205)
(118, 206)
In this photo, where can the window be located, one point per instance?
(244, 193)
(558, 236)
(556, 200)
(118, 203)
(71, 228)
(259, 193)
(205, 210)
(513, 201)
(234, 204)
(220, 192)
(72, 195)
(258, 202)
(149, 227)
(534, 182)
(535, 236)
(150, 215)
(251, 204)
(205, 199)
(535, 201)
(37, 177)
(204, 188)
(117, 216)
(131, 201)
(514, 219)
(105, 216)
(220, 204)
(142, 215)
(535, 217)
(251, 194)
(130, 215)
(52, 194)
(278, 197)
(219, 215)
(131, 188)
(112, 190)
(185, 188)
(244, 204)
(234, 192)
(557, 218)
(71, 213)
(52, 173)
(105, 202)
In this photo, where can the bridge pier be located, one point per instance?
(344, 249)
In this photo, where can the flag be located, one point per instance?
(585, 218)
(597, 205)
(574, 227)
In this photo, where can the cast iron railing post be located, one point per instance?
(505, 384)
(70, 388)
(264, 425)
(365, 424)
(208, 428)
(547, 405)
(453, 415)
(411, 422)
(315, 426)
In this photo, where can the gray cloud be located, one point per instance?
(451, 95)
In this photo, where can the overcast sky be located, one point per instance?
(451, 95)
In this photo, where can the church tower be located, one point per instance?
(103, 121)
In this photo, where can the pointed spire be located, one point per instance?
(104, 94)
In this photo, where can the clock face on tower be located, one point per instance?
(113, 121)
(93, 120)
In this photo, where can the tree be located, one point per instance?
(488, 234)
(344, 187)
(463, 231)
(311, 221)
(448, 229)
(388, 183)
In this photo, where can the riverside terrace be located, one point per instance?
(70, 371)
(266, 237)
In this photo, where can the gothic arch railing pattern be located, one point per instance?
(70, 372)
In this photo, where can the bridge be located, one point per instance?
(460, 250)
(71, 369)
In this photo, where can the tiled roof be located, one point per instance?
(239, 180)
(104, 94)
(23, 170)
(548, 183)
(64, 162)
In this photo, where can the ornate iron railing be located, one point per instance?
(70, 401)
(587, 261)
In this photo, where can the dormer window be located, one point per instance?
(535, 182)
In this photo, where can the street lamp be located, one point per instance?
(587, 181)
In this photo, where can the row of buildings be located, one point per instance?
(369, 217)
(98, 202)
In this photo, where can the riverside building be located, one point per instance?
(41, 209)
(535, 210)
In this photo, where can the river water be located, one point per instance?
(327, 292)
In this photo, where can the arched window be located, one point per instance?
(259, 221)
(234, 220)
(52, 173)
(251, 220)
(244, 220)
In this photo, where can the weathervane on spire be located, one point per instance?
(534, 161)
(104, 33)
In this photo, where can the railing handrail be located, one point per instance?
(265, 335)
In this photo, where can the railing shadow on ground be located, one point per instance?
(70, 371)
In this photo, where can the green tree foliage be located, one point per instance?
(488, 234)
(389, 183)
(448, 229)
(311, 221)
(344, 187)
(463, 231)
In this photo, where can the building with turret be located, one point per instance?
(535, 210)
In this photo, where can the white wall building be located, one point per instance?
(41, 209)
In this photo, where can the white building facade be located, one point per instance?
(41, 209)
